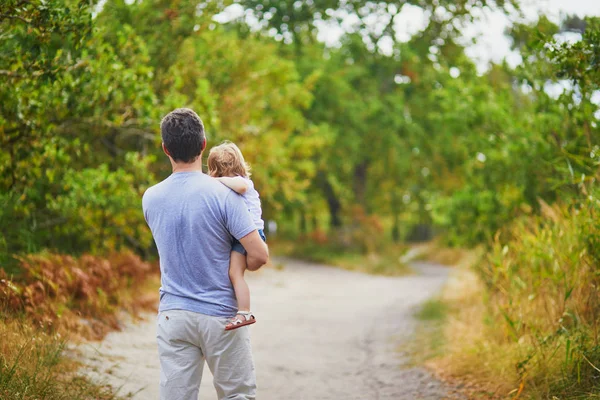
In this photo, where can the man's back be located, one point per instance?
(193, 218)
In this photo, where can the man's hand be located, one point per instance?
(235, 183)
(256, 249)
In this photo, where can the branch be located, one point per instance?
(14, 74)
(136, 132)
(134, 242)
(11, 130)
(52, 222)
(38, 73)
(23, 134)
(2, 16)
(111, 146)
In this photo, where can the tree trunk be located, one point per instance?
(396, 212)
(303, 229)
(360, 184)
(332, 201)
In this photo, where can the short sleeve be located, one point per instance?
(145, 200)
(249, 183)
(237, 217)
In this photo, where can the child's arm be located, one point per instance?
(236, 183)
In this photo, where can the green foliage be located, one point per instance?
(580, 61)
(296, 21)
(41, 38)
(100, 208)
(531, 146)
(255, 98)
(74, 105)
(414, 135)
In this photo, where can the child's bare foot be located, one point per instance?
(242, 318)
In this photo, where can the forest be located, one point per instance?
(355, 147)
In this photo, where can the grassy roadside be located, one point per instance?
(388, 260)
(448, 325)
(523, 320)
(34, 365)
(57, 300)
(430, 341)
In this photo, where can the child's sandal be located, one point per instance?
(247, 319)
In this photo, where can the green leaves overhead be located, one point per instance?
(413, 136)
(41, 39)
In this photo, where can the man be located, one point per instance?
(194, 219)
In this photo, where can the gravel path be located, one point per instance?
(322, 334)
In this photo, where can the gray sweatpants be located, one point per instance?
(185, 339)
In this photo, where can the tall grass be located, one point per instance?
(536, 334)
(33, 366)
(543, 280)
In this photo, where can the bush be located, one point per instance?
(537, 333)
(56, 298)
(471, 215)
(100, 208)
(76, 295)
(544, 293)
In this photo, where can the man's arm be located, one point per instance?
(256, 249)
(235, 183)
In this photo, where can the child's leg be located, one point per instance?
(237, 267)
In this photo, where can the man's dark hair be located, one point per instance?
(182, 133)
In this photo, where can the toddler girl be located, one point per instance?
(226, 163)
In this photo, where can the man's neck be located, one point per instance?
(195, 166)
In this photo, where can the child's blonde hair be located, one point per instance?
(226, 159)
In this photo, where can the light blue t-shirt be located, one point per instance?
(193, 218)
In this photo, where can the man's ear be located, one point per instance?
(203, 145)
(165, 149)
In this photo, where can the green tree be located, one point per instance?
(69, 102)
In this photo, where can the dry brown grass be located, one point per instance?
(57, 299)
(33, 366)
(80, 297)
(470, 356)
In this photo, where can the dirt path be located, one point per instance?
(322, 333)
